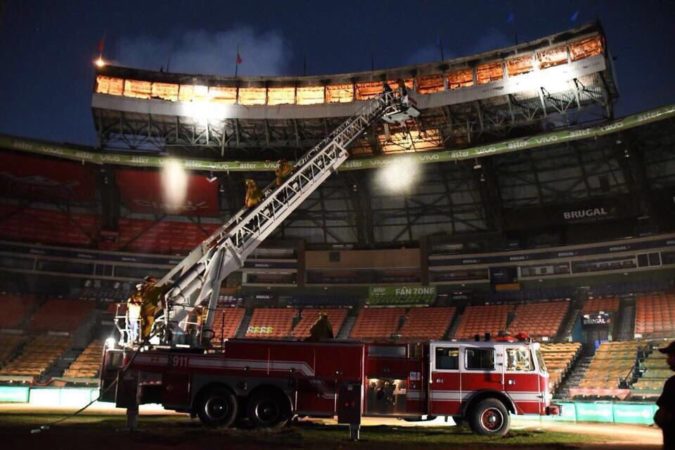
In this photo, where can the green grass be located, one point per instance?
(170, 431)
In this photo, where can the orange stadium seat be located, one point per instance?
(611, 364)
(87, 363)
(606, 304)
(161, 237)
(481, 319)
(271, 323)
(48, 226)
(60, 315)
(427, 323)
(377, 323)
(336, 317)
(539, 319)
(37, 356)
(655, 315)
(226, 323)
(14, 309)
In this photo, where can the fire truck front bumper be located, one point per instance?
(553, 410)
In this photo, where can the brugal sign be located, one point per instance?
(588, 214)
(567, 214)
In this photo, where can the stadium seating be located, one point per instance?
(48, 226)
(481, 319)
(226, 323)
(8, 345)
(539, 319)
(14, 308)
(655, 315)
(427, 323)
(60, 315)
(377, 323)
(559, 359)
(87, 363)
(161, 237)
(655, 372)
(597, 304)
(271, 323)
(37, 356)
(336, 316)
(612, 363)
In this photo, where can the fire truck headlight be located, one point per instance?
(110, 342)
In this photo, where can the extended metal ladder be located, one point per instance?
(196, 280)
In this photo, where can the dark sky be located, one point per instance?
(47, 47)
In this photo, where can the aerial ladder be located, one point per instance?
(196, 280)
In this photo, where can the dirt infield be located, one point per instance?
(175, 432)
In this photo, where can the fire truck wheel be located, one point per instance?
(489, 417)
(267, 409)
(217, 407)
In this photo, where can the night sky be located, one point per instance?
(47, 47)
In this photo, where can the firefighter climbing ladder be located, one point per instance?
(196, 280)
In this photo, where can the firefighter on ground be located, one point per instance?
(665, 415)
(321, 330)
(151, 296)
(282, 171)
(253, 194)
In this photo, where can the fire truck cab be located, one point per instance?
(477, 382)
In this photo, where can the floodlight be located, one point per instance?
(399, 175)
(174, 184)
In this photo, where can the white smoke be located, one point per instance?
(204, 52)
(492, 40)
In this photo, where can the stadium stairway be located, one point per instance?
(346, 330)
(574, 377)
(452, 329)
(61, 364)
(625, 328)
(245, 322)
(568, 323)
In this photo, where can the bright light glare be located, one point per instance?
(203, 111)
(99, 62)
(110, 342)
(400, 175)
(174, 184)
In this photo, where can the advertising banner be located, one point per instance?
(402, 295)
(142, 191)
(23, 176)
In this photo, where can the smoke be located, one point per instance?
(492, 40)
(215, 53)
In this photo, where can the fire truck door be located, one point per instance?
(482, 369)
(521, 381)
(445, 380)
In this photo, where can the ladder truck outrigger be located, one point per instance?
(266, 383)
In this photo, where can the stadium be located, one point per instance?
(504, 198)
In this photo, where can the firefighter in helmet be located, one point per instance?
(253, 194)
(282, 171)
(151, 295)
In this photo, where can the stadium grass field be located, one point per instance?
(177, 432)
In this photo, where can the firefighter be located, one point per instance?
(665, 415)
(321, 329)
(282, 171)
(151, 303)
(253, 194)
(134, 315)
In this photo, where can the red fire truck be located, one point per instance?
(266, 383)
